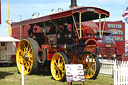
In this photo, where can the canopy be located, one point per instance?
(8, 39)
(90, 13)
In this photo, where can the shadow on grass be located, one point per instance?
(7, 65)
(72, 83)
(4, 74)
(43, 73)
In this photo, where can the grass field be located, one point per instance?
(10, 76)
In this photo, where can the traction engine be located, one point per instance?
(59, 39)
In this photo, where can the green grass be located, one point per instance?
(10, 76)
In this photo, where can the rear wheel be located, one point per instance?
(91, 65)
(27, 53)
(58, 62)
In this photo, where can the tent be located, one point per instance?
(7, 49)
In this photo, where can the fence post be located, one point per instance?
(126, 72)
(115, 73)
(22, 74)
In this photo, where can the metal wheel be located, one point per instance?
(58, 62)
(27, 52)
(91, 65)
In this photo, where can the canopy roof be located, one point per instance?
(8, 39)
(89, 13)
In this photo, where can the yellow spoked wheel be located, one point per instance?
(91, 65)
(27, 52)
(58, 62)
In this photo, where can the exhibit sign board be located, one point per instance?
(74, 72)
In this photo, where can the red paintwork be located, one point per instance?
(92, 43)
(23, 31)
(17, 27)
(17, 30)
(50, 51)
(90, 25)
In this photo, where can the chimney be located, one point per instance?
(73, 4)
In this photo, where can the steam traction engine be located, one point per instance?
(60, 39)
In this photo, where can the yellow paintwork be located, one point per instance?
(57, 66)
(24, 56)
(89, 64)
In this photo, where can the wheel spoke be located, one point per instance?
(20, 50)
(62, 70)
(30, 50)
(21, 60)
(88, 59)
(58, 59)
(29, 64)
(58, 74)
(92, 71)
(93, 63)
(54, 71)
(87, 72)
(23, 44)
(93, 67)
(27, 68)
(55, 63)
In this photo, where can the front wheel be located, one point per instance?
(91, 65)
(58, 62)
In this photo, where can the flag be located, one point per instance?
(125, 15)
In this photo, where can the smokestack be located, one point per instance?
(73, 4)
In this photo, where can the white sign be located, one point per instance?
(74, 72)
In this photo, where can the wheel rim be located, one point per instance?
(89, 64)
(57, 66)
(24, 56)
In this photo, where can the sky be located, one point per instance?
(25, 9)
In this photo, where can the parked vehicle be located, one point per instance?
(59, 39)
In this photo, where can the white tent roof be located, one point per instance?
(8, 39)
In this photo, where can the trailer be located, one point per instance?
(7, 49)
